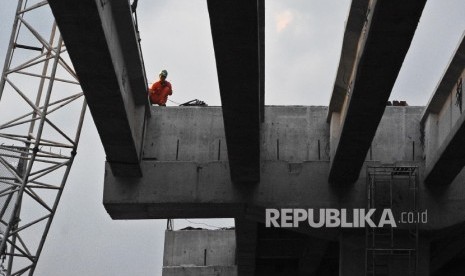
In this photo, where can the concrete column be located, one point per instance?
(246, 246)
(352, 258)
(352, 254)
(424, 259)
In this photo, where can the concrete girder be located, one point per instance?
(186, 173)
(238, 38)
(443, 124)
(353, 32)
(102, 44)
(389, 30)
(204, 190)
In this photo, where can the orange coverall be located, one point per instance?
(159, 92)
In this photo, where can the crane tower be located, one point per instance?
(42, 110)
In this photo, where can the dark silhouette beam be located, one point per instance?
(238, 38)
(102, 44)
(391, 25)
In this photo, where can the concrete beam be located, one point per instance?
(353, 34)
(102, 44)
(203, 190)
(381, 50)
(443, 124)
(238, 38)
(186, 174)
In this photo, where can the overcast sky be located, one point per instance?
(303, 43)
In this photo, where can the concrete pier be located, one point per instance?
(199, 252)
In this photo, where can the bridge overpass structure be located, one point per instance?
(237, 160)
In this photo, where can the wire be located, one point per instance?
(208, 225)
(174, 102)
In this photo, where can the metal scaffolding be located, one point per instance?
(41, 115)
(389, 248)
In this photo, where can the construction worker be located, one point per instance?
(160, 90)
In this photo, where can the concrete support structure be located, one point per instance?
(186, 174)
(352, 258)
(265, 251)
(295, 166)
(238, 38)
(444, 124)
(197, 183)
(200, 252)
(115, 86)
(286, 252)
(355, 24)
(246, 246)
(352, 254)
(166, 168)
(360, 100)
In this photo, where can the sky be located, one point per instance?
(303, 44)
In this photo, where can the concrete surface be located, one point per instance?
(200, 248)
(115, 86)
(449, 246)
(352, 258)
(286, 252)
(246, 246)
(443, 123)
(398, 137)
(289, 133)
(185, 134)
(250, 249)
(200, 252)
(352, 255)
(200, 271)
(294, 133)
(355, 24)
(201, 188)
(380, 54)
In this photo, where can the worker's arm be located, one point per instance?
(151, 90)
